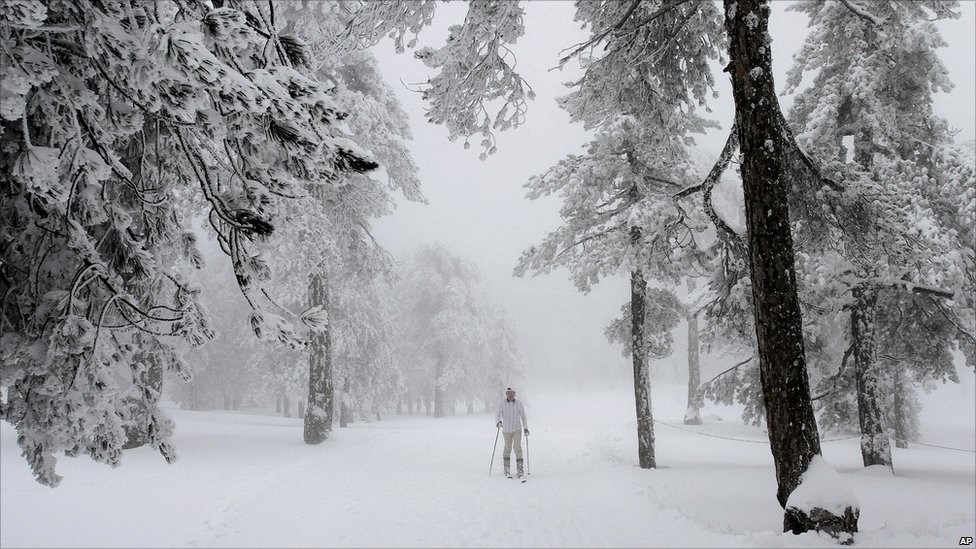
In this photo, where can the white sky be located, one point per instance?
(478, 210)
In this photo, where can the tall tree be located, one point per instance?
(693, 409)
(770, 158)
(116, 116)
(376, 122)
(767, 149)
(641, 93)
(869, 116)
(442, 325)
(620, 219)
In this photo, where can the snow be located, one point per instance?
(246, 479)
(822, 487)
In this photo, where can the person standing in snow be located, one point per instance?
(511, 419)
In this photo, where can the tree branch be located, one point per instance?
(952, 321)
(616, 26)
(833, 379)
(736, 367)
(859, 11)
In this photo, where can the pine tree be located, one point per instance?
(770, 157)
(887, 221)
(442, 327)
(769, 153)
(344, 266)
(119, 119)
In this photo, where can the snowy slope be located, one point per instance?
(247, 480)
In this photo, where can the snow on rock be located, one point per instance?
(821, 486)
(823, 502)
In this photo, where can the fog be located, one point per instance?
(478, 208)
(326, 378)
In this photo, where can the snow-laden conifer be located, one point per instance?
(120, 120)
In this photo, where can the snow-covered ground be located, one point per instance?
(247, 480)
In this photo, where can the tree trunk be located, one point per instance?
(149, 380)
(693, 411)
(285, 405)
(763, 141)
(875, 446)
(278, 404)
(345, 412)
(438, 391)
(318, 419)
(901, 412)
(642, 396)
(194, 397)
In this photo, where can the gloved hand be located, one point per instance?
(499, 425)
(526, 432)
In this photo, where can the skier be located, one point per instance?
(511, 419)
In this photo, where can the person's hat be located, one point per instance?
(509, 390)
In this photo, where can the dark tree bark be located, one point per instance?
(642, 396)
(693, 411)
(764, 141)
(901, 413)
(318, 418)
(638, 351)
(875, 446)
(149, 374)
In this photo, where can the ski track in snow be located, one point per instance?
(246, 480)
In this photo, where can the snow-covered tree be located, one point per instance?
(476, 68)
(644, 78)
(233, 366)
(868, 115)
(770, 158)
(504, 361)
(772, 165)
(332, 242)
(120, 118)
(620, 217)
(441, 328)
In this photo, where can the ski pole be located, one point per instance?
(493, 448)
(528, 464)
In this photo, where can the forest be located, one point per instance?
(191, 192)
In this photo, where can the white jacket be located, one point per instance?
(512, 415)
